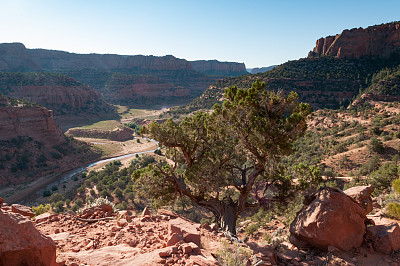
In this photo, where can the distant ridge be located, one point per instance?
(257, 70)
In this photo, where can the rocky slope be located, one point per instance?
(380, 40)
(217, 68)
(31, 145)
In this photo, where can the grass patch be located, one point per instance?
(104, 125)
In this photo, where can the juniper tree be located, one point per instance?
(216, 158)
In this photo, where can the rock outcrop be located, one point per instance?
(34, 122)
(117, 134)
(22, 244)
(362, 195)
(217, 68)
(381, 40)
(329, 218)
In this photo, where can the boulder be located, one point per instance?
(329, 218)
(362, 194)
(384, 238)
(24, 244)
(186, 229)
(21, 209)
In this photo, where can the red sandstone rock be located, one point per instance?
(24, 244)
(186, 229)
(361, 194)
(122, 222)
(174, 238)
(24, 210)
(329, 218)
(186, 248)
(379, 40)
(35, 122)
(385, 238)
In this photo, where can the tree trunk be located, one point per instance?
(227, 218)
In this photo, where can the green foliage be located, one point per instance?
(233, 254)
(41, 209)
(55, 197)
(226, 151)
(122, 206)
(46, 193)
(393, 210)
(383, 177)
(134, 126)
(375, 146)
(251, 229)
(59, 207)
(158, 152)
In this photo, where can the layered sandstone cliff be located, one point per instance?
(381, 40)
(214, 67)
(34, 122)
(55, 91)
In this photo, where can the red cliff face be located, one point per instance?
(34, 122)
(379, 40)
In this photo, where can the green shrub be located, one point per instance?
(233, 254)
(41, 209)
(375, 145)
(56, 197)
(122, 206)
(59, 207)
(46, 193)
(251, 229)
(393, 210)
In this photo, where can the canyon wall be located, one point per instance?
(55, 91)
(217, 68)
(34, 122)
(381, 40)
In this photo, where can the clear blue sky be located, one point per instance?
(258, 33)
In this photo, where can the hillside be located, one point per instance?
(325, 81)
(31, 145)
(135, 80)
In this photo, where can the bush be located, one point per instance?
(233, 254)
(55, 197)
(375, 145)
(46, 193)
(393, 210)
(41, 209)
(122, 206)
(251, 229)
(59, 207)
(54, 188)
(79, 202)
